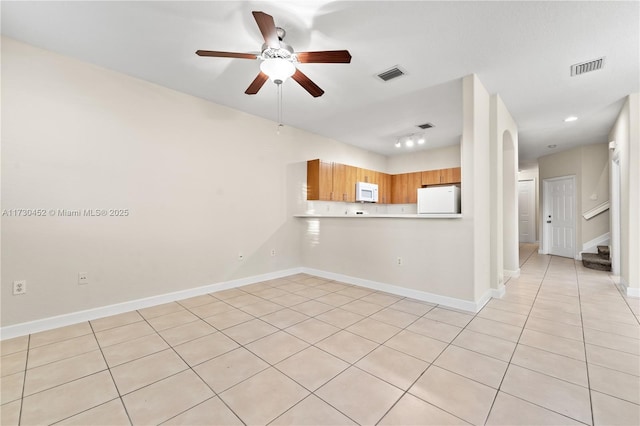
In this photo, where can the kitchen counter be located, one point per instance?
(383, 216)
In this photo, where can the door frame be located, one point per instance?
(547, 208)
(614, 214)
(532, 199)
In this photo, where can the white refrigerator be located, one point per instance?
(439, 199)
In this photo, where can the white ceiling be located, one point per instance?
(521, 50)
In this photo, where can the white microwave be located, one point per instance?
(366, 192)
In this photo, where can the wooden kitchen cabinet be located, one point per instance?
(384, 188)
(383, 181)
(452, 175)
(398, 188)
(328, 181)
(441, 176)
(319, 180)
(331, 181)
(344, 182)
(404, 187)
(414, 182)
(366, 175)
(431, 177)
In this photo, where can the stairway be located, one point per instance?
(599, 261)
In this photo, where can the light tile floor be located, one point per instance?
(561, 347)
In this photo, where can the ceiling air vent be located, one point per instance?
(425, 126)
(390, 74)
(588, 66)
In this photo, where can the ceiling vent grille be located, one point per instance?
(588, 66)
(425, 126)
(390, 74)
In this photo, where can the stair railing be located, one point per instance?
(600, 208)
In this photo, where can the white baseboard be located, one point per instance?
(629, 291)
(633, 291)
(624, 287)
(464, 305)
(44, 324)
(602, 240)
(498, 292)
(49, 323)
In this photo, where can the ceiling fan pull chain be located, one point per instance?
(279, 107)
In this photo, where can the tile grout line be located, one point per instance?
(243, 346)
(110, 374)
(340, 328)
(533, 304)
(584, 344)
(215, 394)
(24, 379)
(515, 348)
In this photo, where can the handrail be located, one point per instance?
(596, 210)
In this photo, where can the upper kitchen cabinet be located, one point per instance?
(366, 175)
(384, 188)
(319, 180)
(331, 181)
(328, 181)
(404, 187)
(344, 182)
(383, 181)
(441, 176)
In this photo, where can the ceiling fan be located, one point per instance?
(279, 59)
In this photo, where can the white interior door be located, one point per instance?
(527, 211)
(560, 216)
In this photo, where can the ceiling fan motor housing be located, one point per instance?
(284, 52)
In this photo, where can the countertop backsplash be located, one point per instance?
(331, 208)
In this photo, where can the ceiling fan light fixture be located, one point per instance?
(277, 69)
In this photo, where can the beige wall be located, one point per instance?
(202, 183)
(438, 158)
(595, 189)
(589, 164)
(448, 257)
(476, 179)
(626, 134)
(504, 196)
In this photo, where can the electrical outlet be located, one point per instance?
(273, 252)
(19, 287)
(240, 257)
(83, 278)
(399, 261)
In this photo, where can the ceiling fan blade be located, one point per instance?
(257, 84)
(267, 28)
(226, 54)
(307, 84)
(325, 57)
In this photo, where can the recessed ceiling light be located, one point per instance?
(570, 119)
(552, 146)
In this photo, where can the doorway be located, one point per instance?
(527, 211)
(559, 219)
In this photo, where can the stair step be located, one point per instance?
(596, 261)
(603, 250)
